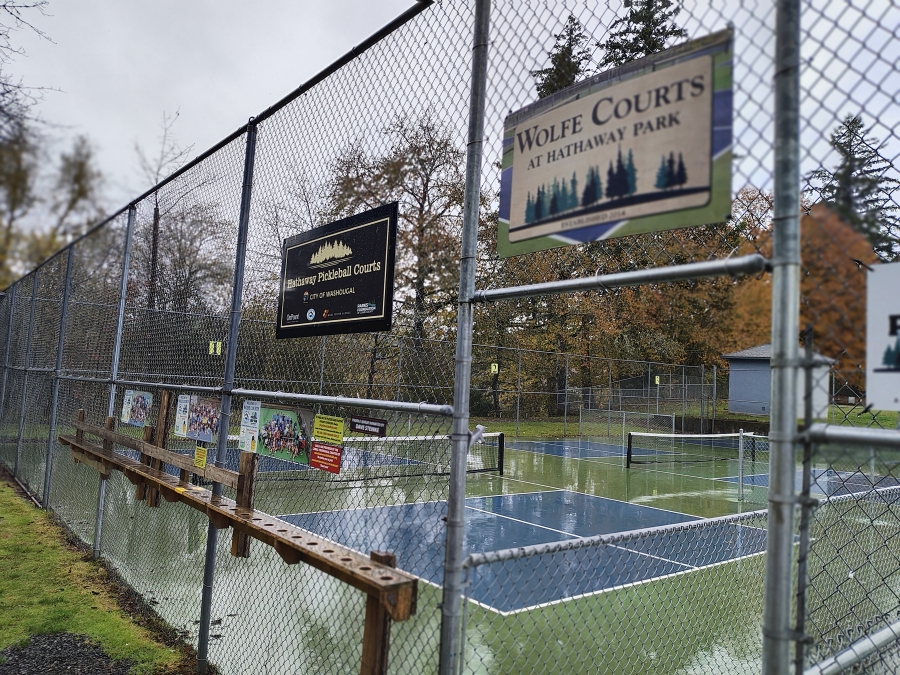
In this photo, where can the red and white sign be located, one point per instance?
(326, 457)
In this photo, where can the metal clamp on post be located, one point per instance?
(789, 634)
(798, 500)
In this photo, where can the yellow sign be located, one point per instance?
(329, 429)
(200, 457)
(495, 368)
(212, 347)
(215, 348)
(657, 379)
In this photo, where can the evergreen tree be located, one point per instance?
(860, 188)
(662, 175)
(573, 193)
(539, 204)
(569, 60)
(892, 356)
(554, 198)
(680, 173)
(670, 171)
(631, 174)
(611, 182)
(645, 30)
(529, 209)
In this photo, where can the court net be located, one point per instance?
(372, 458)
(661, 448)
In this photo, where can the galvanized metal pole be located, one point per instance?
(702, 398)
(451, 616)
(741, 465)
(518, 390)
(54, 397)
(114, 369)
(11, 296)
(225, 417)
(566, 398)
(715, 397)
(777, 634)
(24, 388)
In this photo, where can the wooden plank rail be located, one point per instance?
(395, 591)
(186, 462)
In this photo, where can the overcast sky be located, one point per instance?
(118, 65)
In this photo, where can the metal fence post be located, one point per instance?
(54, 398)
(12, 313)
(34, 288)
(566, 397)
(777, 634)
(450, 656)
(114, 369)
(225, 417)
(518, 390)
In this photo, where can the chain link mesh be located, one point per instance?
(675, 583)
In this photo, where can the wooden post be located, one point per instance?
(79, 434)
(246, 494)
(377, 629)
(160, 440)
(140, 492)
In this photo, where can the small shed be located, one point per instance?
(749, 383)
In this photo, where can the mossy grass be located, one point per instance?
(46, 586)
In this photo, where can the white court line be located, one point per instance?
(551, 488)
(568, 535)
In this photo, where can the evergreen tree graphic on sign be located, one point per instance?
(621, 181)
(892, 356)
(670, 173)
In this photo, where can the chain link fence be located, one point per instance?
(177, 293)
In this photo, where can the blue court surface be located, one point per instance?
(414, 532)
(826, 482)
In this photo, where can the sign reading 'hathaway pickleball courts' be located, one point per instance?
(339, 278)
(639, 148)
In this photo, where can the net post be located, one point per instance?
(501, 451)
(628, 453)
(741, 465)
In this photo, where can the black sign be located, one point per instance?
(339, 278)
(368, 425)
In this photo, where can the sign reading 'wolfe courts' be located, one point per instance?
(339, 278)
(641, 148)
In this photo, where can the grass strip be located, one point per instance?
(46, 586)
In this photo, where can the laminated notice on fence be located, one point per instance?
(326, 457)
(371, 426)
(182, 410)
(329, 429)
(200, 457)
(640, 148)
(883, 338)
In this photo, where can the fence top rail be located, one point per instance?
(478, 559)
(831, 433)
(749, 264)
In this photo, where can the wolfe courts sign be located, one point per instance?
(641, 148)
(339, 278)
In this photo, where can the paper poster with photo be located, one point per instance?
(249, 426)
(182, 411)
(203, 418)
(136, 407)
(285, 433)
